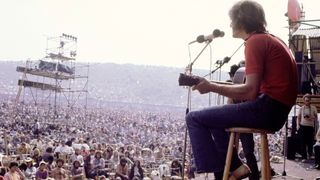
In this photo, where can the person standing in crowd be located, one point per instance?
(47, 154)
(90, 157)
(30, 172)
(37, 158)
(122, 170)
(51, 164)
(136, 171)
(14, 172)
(77, 172)
(23, 149)
(307, 119)
(59, 172)
(36, 128)
(42, 172)
(63, 148)
(89, 171)
(270, 92)
(108, 153)
(77, 156)
(99, 163)
(317, 150)
(246, 138)
(176, 168)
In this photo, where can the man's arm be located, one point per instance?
(315, 115)
(22, 176)
(247, 91)
(299, 119)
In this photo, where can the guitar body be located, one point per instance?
(239, 78)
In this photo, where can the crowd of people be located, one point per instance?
(122, 143)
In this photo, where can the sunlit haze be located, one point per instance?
(124, 31)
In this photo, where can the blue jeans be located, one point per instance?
(207, 133)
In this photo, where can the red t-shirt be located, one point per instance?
(268, 56)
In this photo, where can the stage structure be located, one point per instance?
(304, 42)
(55, 81)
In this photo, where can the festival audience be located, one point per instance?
(100, 144)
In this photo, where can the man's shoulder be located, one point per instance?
(263, 39)
(257, 41)
(257, 37)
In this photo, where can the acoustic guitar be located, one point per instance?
(191, 80)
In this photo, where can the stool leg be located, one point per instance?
(229, 156)
(236, 141)
(265, 162)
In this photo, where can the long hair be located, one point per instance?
(249, 16)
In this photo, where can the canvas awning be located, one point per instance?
(310, 32)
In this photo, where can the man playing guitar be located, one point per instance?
(270, 91)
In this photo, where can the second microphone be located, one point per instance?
(202, 38)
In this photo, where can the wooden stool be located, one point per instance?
(265, 162)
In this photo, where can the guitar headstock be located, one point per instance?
(188, 80)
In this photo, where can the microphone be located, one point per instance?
(225, 60)
(215, 34)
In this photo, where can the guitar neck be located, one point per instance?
(222, 82)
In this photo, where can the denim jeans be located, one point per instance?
(208, 137)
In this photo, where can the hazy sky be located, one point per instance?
(154, 32)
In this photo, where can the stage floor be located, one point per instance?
(294, 169)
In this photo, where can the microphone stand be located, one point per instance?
(285, 147)
(196, 58)
(225, 60)
(189, 68)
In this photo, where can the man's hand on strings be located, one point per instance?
(204, 86)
